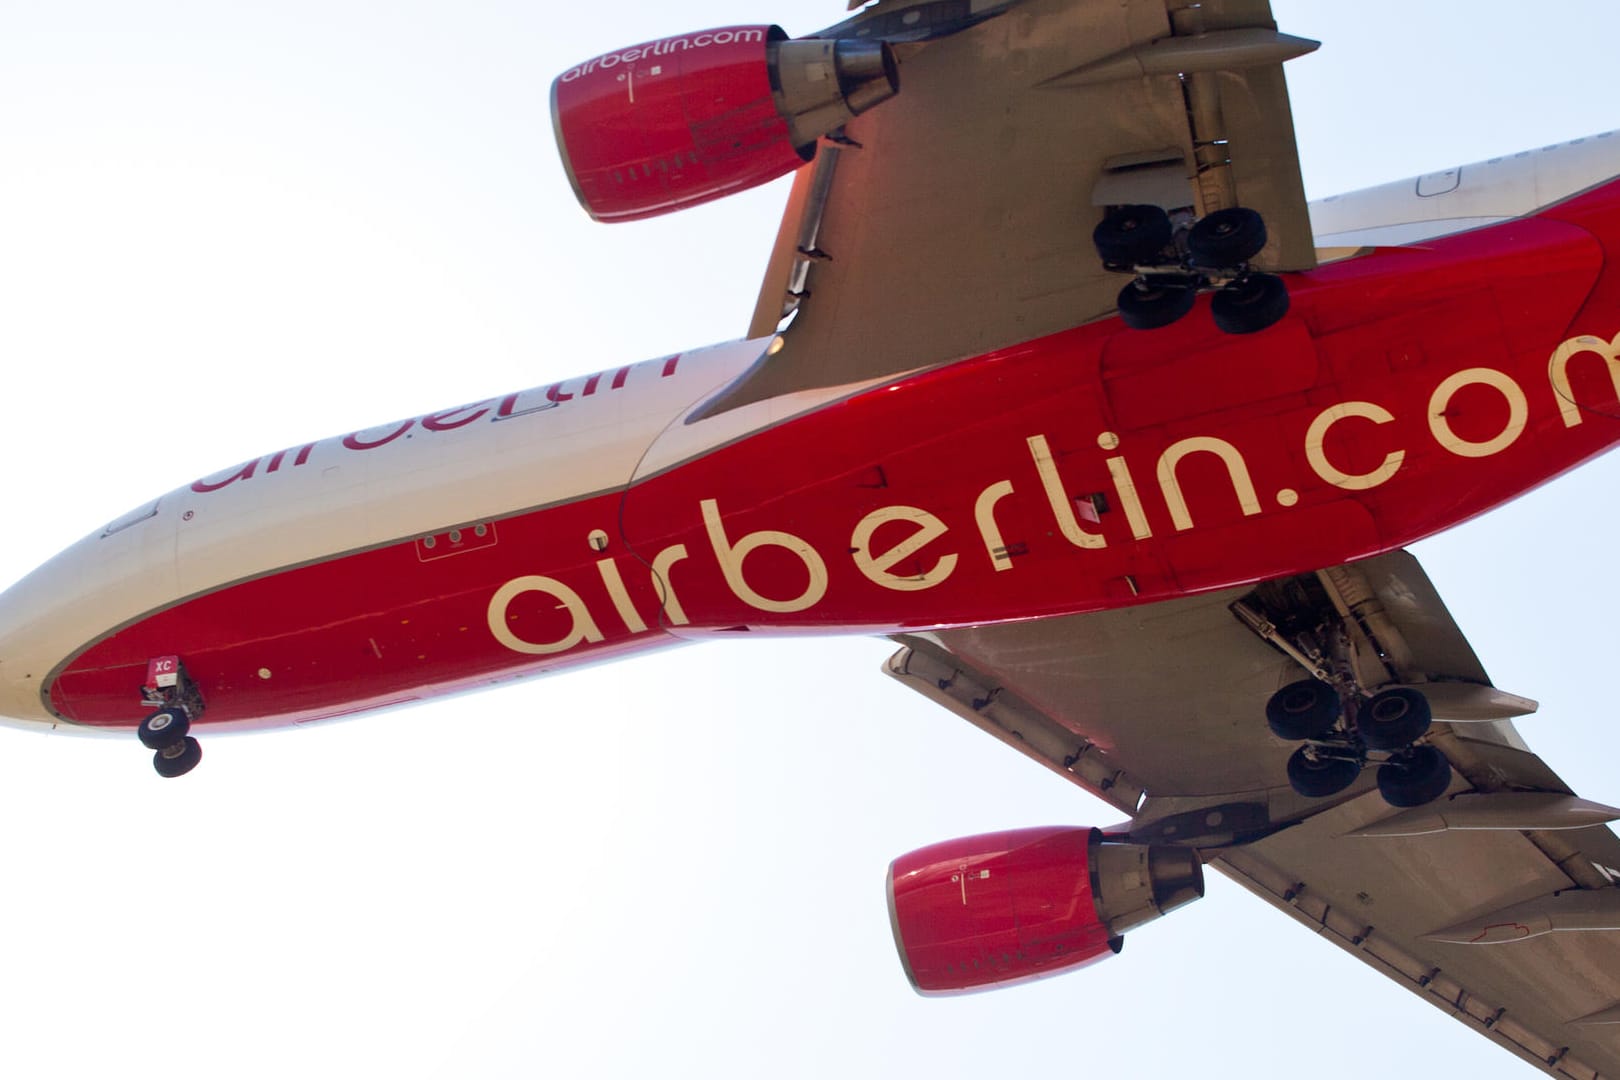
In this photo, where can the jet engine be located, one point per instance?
(680, 121)
(1009, 907)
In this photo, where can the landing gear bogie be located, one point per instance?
(1359, 708)
(1340, 738)
(1172, 263)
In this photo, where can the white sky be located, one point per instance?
(226, 228)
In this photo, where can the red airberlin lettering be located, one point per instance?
(246, 470)
(511, 406)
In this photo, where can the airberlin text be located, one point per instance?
(510, 407)
(904, 566)
(653, 50)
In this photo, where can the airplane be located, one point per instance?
(723, 544)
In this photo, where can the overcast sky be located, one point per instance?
(226, 228)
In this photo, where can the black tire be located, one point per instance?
(1414, 777)
(1148, 306)
(164, 728)
(1320, 777)
(1303, 710)
(1250, 304)
(1227, 238)
(1393, 718)
(177, 760)
(1132, 235)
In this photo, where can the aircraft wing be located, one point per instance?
(1483, 902)
(956, 218)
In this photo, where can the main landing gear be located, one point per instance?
(167, 731)
(1172, 263)
(1341, 737)
(1361, 705)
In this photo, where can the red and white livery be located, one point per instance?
(1092, 425)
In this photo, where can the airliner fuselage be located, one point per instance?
(1407, 390)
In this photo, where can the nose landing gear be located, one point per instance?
(179, 759)
(167, 731)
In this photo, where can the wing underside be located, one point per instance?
(1490, 903)
(956, 218)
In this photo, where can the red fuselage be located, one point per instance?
(1407, 390)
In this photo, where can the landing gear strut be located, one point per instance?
(167, 731)
(1170, 266)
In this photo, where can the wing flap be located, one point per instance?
(1377, 898)
(1558, 1044)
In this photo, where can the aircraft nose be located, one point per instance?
(78, 596)
(26, 632)
(20, 703)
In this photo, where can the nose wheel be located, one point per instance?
(167, 731)
(179, 759)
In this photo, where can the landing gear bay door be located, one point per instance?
(957, 217)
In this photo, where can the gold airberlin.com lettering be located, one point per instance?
(880, 567)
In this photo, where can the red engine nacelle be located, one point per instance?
(679, 121)
(1013, 906)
